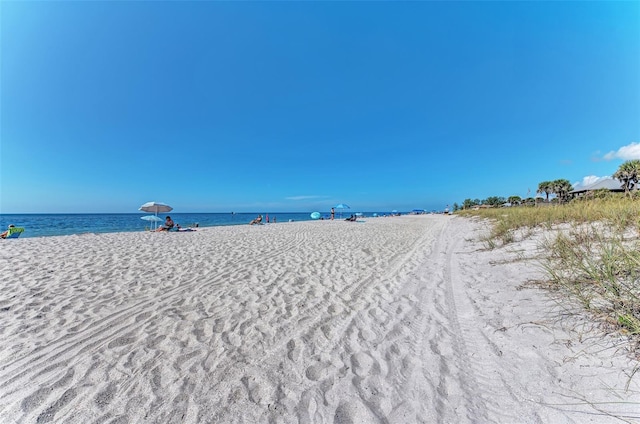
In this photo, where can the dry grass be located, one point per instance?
(594, 259)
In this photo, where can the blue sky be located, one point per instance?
(298, 106)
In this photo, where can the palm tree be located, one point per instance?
(514, 200)
(561, 188)
(629, 174)
(546, 188)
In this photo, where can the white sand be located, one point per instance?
(393, 320)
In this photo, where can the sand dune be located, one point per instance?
(392, 320)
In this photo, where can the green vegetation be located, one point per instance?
(594, 257)
(629, 174)
(561, 188)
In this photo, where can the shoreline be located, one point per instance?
(389, 320)
(48, 225)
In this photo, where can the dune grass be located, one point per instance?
(594, 257)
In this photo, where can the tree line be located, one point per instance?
(628, 174)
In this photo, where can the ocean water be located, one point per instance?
(42, 225)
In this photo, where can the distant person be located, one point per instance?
(168, 224)
(333, 213)
(179, 228)
(267, 218)
(352, 218)
(274, 220)
(258, 220)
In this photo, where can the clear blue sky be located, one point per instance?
(298, 106)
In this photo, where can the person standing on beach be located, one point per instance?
(333, 213)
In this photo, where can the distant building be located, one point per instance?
(610, 184)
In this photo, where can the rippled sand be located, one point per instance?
(391, 320)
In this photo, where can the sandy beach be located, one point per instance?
(390, 320)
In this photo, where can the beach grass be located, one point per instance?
(591, 253)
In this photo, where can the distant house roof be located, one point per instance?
(610, 184)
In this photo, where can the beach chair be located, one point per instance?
(14, 232)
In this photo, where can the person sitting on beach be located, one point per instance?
(168, 224)
(258, 220)
(6, 233)
(352, 218)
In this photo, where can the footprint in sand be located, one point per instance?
(232, 339)
(219, 325)
(362, 364)
(260, 391)
(373, 391)
(334, 309)
(293, 351)
(353, 411)
(366, 334)
(320, 371)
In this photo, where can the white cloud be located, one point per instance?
(304, 197)
(629, 152)
(588, 180)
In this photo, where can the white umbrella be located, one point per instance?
(155, 207)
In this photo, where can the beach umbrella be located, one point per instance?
(155, 207)
(315, 215)
(341, 206)
(151, 218)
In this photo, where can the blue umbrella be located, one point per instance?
(342, 206)
(151, 218)
(315, 215)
